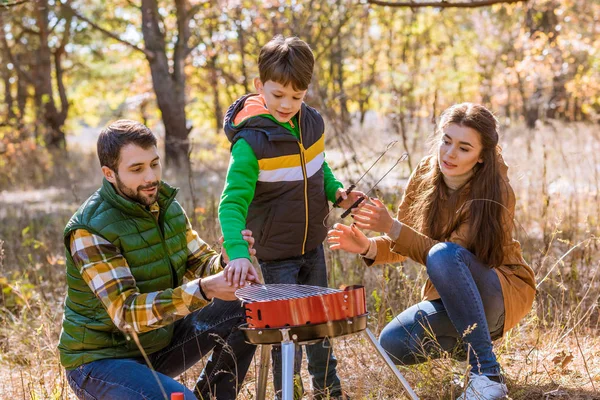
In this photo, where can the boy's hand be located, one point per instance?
(348, 199)
(240, 270)
(247, 235)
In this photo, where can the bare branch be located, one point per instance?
(132, 4)
(194, 9)
(12, 4)
(443, 3)
(27, 76)
(25, 29)
(149, 54)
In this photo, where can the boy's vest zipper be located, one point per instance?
(304, 175)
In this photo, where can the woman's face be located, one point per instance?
(459, 150)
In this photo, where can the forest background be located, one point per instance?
(384, 71)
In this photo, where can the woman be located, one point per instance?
(456, 218)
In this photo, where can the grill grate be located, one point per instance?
(279, 291)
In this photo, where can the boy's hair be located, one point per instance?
(119, 134)
(285, 60)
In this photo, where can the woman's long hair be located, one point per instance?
(485, 211)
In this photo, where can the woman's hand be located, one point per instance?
(348, 238)
(373, 215)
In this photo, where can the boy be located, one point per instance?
(278, 184)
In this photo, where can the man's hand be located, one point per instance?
(240, 270)
(348, 199)
(216, 286)
(247, 235)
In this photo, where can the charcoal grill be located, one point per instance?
(289, 315)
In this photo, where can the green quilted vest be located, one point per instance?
(156, 252)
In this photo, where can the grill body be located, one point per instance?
(288, 315)
(280, 305)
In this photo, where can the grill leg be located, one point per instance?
(390, 364)
(287, 365)
(263, 371)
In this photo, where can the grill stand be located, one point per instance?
(287, 364)
(263, 371)
(390, 364)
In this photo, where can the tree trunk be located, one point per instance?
(52, 119)
(8, 97)
(242, 45)
(338, 57)
(214, 84)
(169, 88)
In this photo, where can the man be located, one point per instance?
(131, 324)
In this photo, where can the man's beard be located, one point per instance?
(137, 195)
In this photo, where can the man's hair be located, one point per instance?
(286, 60)
(119, 134)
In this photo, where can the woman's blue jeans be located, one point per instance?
(309, 269)
(213, 327)
(466, 318)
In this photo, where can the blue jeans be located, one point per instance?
(309, 269)
(213, 327)
(466, 318)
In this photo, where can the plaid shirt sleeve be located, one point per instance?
(107, 273)
(202, 260)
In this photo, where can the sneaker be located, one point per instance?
(480, 387)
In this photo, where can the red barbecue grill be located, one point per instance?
(280, 314)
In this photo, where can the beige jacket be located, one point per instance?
(516, 277)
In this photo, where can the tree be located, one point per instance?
(167, 68)
(39, 64)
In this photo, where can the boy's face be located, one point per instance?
(138, 175)
(283, 102)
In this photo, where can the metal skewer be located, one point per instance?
(353, 185)
(360, 200)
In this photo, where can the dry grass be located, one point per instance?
(553, 354)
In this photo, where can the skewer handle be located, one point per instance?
(339, 199)
(349, 210)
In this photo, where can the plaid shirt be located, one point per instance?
(107, 273)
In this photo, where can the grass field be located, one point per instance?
(553, 354)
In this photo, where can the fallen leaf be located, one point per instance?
(563, 359)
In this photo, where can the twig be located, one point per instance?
(443, 3)
(130, 331)
(191, 180)
(564, 255)
(584, 360)
(6, 5)
(148, 53)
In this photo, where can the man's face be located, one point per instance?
(283, 102)
(138, 175)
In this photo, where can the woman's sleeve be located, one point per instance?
(385, 245)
